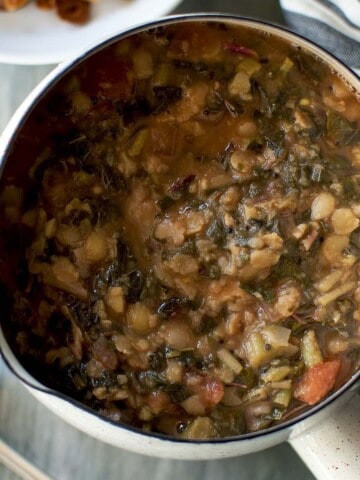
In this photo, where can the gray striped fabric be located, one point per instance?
(332, 24)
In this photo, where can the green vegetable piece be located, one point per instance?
(290, 173)
(341, 130)
(257, 353)
(340, 165)
(138, 142)
(277, 143)
(260, 291)
(228, 422)
(177, 392)
(157, 360)
(249, 65)
(288, 268)
(283, 397)
(272, 342)
(162, 74)
(310, 349)
(189, 247)
(247, 378)
(276, 374)
(216, 232)
(189, 359)
(200, 427)
(286, 65)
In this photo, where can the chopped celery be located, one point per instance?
(256, 352)
(329, 297)
(240, 86)
(310, 349)
(327, 282)
(138, 142)
(276, 335)
(283, 397)
(50, 228)
(275, 374)
(287, 65)
(229, 360)
(249, 65)
(162, 74)
(82, 177)
(270, 343)
(200, 427)
(283, 384)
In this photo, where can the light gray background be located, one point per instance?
(60, 450)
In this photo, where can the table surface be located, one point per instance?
(67, 454)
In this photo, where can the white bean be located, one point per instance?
(322, 206)
(344, 221)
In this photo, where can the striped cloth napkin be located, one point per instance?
(332, 24)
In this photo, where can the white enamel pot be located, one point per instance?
(327, 436)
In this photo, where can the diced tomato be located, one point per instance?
(234, 48)
(158, 402)
(213, 391)
(105, 353)
(209, 389)
(317, 382)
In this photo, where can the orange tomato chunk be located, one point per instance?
(317, 382)
(213, 391)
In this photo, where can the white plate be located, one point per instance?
(32, 36)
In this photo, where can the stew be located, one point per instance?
(180, 232)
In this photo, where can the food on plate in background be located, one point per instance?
(11, 5)
(180, 232)
(74, 11)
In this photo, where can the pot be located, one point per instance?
(327, 436)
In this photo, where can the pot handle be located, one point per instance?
(331, 449)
